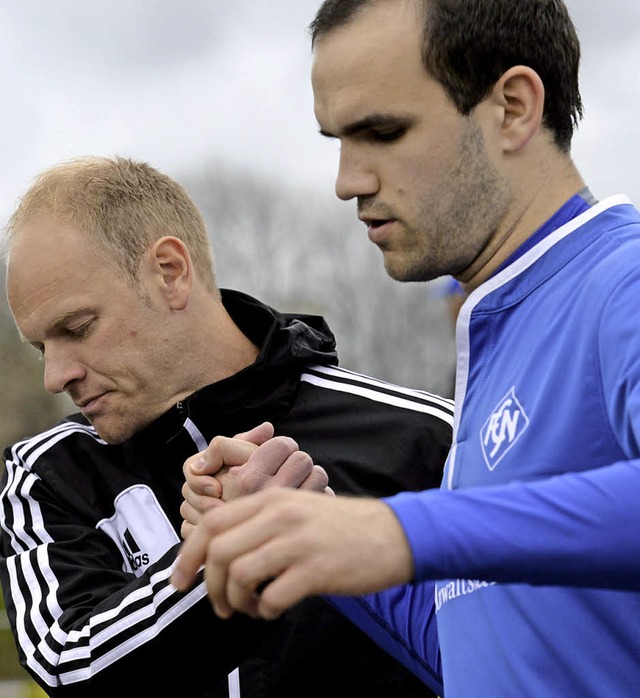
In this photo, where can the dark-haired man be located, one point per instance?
(455, 120)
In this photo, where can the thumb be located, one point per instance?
(258, 435)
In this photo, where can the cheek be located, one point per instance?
(421, 165)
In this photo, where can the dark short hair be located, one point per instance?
(468, 44)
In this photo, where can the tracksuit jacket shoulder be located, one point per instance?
(90, 531)
(535, 536)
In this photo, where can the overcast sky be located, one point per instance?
(184, 82)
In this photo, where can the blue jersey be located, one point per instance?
(535, 534)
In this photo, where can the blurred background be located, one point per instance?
(217, 95)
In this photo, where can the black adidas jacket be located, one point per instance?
(90, 531)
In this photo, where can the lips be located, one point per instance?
(85, 401)
(371, 220)
(377, 223)
(378, 228)
(89, 405)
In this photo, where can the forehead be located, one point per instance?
(44, 246)
(374, 61)
(51, 270)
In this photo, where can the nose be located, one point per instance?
(60, 369)
(356, 177)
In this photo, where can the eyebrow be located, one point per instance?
(57, 325)
(369, 122)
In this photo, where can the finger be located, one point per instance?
(317, 480)
(228, 588)
(243, 590)
(193, 512)
(186, 529)
(212, 524)
(280, 594)
(258, 435)
(249, 573)
(188, 466)
(269, 458)
(222, 451)
(266, 581)
(231, 582)
(196, 500)
(192, 555)
(192, 515)
(189, 513)
(295, 469)
(202, 486)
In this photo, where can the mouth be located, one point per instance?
(378, 223)
(89, 406)
(377, 228)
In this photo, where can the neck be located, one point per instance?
(534, 202)
(214, 348)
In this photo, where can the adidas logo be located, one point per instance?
(140, 528)
(135, 556)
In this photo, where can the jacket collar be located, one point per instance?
(265, 390)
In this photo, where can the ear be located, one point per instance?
(172, 270)
(520, 93)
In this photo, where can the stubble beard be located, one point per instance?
(460, 217)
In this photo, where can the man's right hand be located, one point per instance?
(267, 551)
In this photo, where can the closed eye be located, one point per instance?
(80, 332)
(388, 136)
(377, 128)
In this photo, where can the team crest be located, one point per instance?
(504, 427)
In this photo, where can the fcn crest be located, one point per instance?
(505, 426)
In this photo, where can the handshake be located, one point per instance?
(256, 516)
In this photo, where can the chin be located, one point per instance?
(113, 439)
(408, 272)
(112, 434)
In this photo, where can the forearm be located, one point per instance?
(578, 529)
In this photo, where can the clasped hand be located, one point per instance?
(225, 471)
(265, 551)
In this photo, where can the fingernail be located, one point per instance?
(199, 464)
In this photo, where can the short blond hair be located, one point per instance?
(124, 206)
